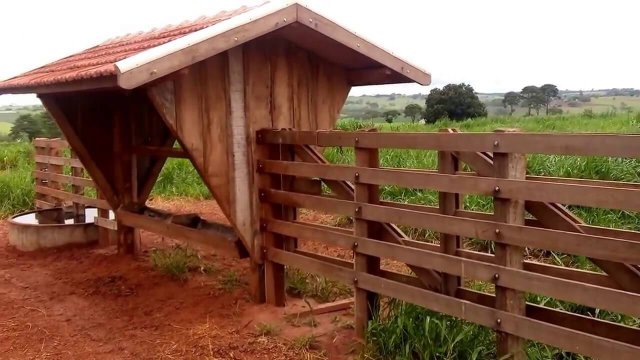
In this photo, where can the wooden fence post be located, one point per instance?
(509, 166)
(366, 302)
(40, 150)
(274, 273)
(448, 204)
(55, 152)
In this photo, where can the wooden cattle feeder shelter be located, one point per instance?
(208, 85)
(251, 97)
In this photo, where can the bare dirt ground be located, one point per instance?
(91, 303)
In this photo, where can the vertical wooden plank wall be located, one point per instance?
(221, 102)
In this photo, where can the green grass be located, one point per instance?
(302, 284)
(16, 182)
(5, 127)
(264, 329)
(230, 280)
(176, 262)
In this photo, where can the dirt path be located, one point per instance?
(90, 303)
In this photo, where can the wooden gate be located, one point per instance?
(529, 212)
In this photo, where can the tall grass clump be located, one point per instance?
(175, 262)
(16, 182)
(404, 331)
(179, 178)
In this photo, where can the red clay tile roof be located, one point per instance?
(99, 60)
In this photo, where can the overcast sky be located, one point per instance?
(494, 45)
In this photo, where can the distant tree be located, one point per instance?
(26, 126)
(550, 92)
(49, 127)
(371, 114)
(454, 101)
(532, 98)
(30, 126)
(391, 115)
(511, 99)
(413, 111)
(373, 105)
(555, 111)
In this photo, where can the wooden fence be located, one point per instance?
(62, 182)
(529, 212)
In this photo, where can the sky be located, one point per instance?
(494, 45)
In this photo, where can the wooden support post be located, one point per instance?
(126, 236)
(78, 209)
(509, 166)
(104, 234)
(449, 203)
(366, 302)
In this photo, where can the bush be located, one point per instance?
(556, 111)
(588, 113)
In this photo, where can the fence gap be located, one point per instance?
(509, 166)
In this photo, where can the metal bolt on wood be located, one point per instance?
(497, 231)
(357, 176)
(496, 189)
(496, 276)
(496, 143)
(498, 321)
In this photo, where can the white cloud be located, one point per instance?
(494, 45)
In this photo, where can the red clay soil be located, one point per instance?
(91, 303)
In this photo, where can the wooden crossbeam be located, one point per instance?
(219, 237)
(161, 152)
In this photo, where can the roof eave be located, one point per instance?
(99, 83)
(165, 59)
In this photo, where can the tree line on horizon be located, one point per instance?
(459, 102)
(532, 97)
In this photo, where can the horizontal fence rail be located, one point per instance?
(66, 188)
(614, 145)
(529, 214)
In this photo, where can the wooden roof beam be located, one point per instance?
(376, 76)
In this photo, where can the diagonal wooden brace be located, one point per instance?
(558, 217)
(390, 233)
